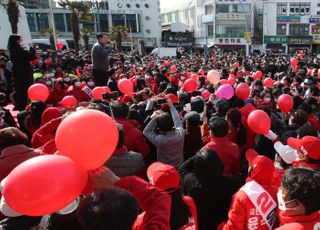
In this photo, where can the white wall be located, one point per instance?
(5, 28)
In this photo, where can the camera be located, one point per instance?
(111, 95)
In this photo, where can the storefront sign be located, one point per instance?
(229, 40)
(300, 40)
(275, 39)
(230, 16)
(314, 20)
(174, 39)
(316, 39)
(315, 29)
(288, 18)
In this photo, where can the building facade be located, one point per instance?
(292, 25)
(141, 17)
(225, 24)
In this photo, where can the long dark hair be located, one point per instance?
(234, 116)
(180, 211)
(13, 41)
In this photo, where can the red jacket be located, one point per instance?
(242, 213)
(308, 222)
(155, 203)
(193, 222)
(228, 153)
(250, 135)
(45, 133)
(313, 120)
(56, 96)
(277, 177)
(78, 93)
(134, 140)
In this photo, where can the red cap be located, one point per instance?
(308, 145)
(163, 176)
(251, 154)
(50, 114)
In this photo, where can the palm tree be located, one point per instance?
(77, 9)
(12, 7)
(86, 32)
(117, 33)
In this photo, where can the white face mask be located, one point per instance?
(90, 83)
(283, 204)
(67, 79)
(183, 78)
(48, 83)
(77, 84)
(267, 99)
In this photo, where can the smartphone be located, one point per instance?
(161, 101)
(111, 95)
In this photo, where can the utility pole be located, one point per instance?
(53, 25)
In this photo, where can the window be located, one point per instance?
(282, 8)
(128, 5)
(138, 5)
(146, 5)
(89, 26)
(118, 20)
(162, 18)
(281, 29)
(318, 5)
(208, 9)
(210, 30)
(299, 29)
(169, 17)
(240, 8)
(318, 12)
(131, 22)
(31, 22)
(103, 22)
(68, 22)
(42, 21)
(148, 31)
(222, 8)
(59, 22)
(148, 18)
(300, 8)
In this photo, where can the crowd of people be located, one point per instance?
(185, 159)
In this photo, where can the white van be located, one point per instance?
(44, 43)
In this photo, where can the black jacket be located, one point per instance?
(212, 197)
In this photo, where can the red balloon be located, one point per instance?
(231, 80)
(205, 94)
(268, 82)
(107, 89)
(259, 122)
(257, 75)
(195, 76)
(285, 103)
(97, 93)
(38, 92)
(43, 185)
(243, 91)
(173, 69)
(236, 64)
(88, 137)
(172, 97)
(201, 72)
(294, 62)
(60, 45)
(69, 102)
(190, 85)
(125, 86)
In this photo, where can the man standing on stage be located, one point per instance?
(99, 54)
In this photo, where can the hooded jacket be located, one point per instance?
(243, 214)
(210, 190)
(134, 140)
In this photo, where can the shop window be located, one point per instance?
(281, 29)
